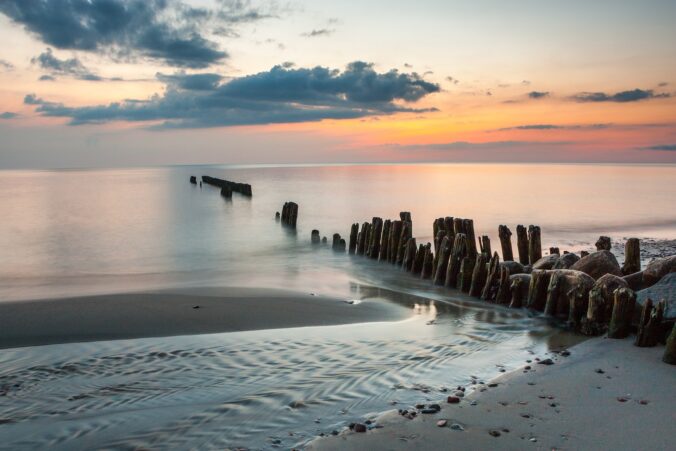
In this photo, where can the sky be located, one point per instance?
(109, 83)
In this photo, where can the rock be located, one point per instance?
(442, 423)
(657, 269)
(664, 289)
(453, 400)
(457, 427)
(598, 264)
(603, 244)
(459, 393)
(547, 262)
(359, 427)
(514, 267)
(494, 433)
(566, 261)
(546, 362)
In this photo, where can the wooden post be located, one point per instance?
(554, 250)
(504, 294)
(354, 232)
(290, 214)
(341, 245)
(670, 349)
(534, 245)
(437, 226)
(426, 272)
(335, 245)
(465, 274)
(395, 235)
(623, 310)
(438, 238)
(385, 241)
(556, 282)
(468, 227)
(632, 257)
(583, 254)
(478, 276)
(405, 216)
(409, 255)
(193, 180)
(603, 244)
(226, 192)
(517, 289)
(374, 243)
(522, 244)
(314, 237)
(485, 245)
(594, 323)
(277, 216)
(419, 260)
(363, 233)
(649, 324)
(460, 250)
(537, 290)
(406, 234)
(457, 226)
(441, 258)
(506, 243)
(490, 287)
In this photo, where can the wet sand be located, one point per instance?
(168, 313)
(608, 394)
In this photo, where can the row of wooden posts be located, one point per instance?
(227, 187)
(590, 307)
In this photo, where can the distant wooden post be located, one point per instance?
(385, 241)
(395, 236)
(290, 214)
(649, 324)
(468, 227)
(632, 257)
(193, 180)
(604, 244)
(426, 272)
(554, 250)
(441, 259)
(478, 276)
(361, 243)
(522, 244)
(419, 260)
(506, 243)
(376, 233)
(406, 234)
(439, 237)
(335, 245)
(354, 232)
(583, 254)
(314, 237)
(409, 255)
(534, 244)
(466, 272)
(623, 310)
(485, 245)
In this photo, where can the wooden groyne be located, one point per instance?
(227, 187)
(290, 214)
(589, 292)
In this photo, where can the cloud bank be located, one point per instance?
(72, 67)
(283, 94)
(624, 96)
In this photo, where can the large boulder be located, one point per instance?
(514, 267)
(664, 289)
(598, 264)
(546, 262)
(657, 269)
(566, 261)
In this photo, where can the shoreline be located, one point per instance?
(178, 312)
(602, 394)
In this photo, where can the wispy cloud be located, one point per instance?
(556, 127)
(538, 94)
(634, 95)
(71, 67)
(281, 95)
(663, 147)
(6, 65)
(8, 115)
(319, 33)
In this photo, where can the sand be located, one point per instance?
(168, 313)
(568, 405)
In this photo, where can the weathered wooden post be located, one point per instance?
(335, 245)
(277, 216)
(485, 245)
(460, 250)
(504, 294)
(226, 192)
(506, 243)
(314, 237)
(419, 260)
(428, 260)
(437, 226)
(385, 241)
(522, 244)
(361, 242)
(489, 290)
(670, 349)
(604, 244)
(395, 236)
(193, 180)
(519, 289)
(583, 254)
(409, 255)
(478, 276)
(537, 290)
(534, 244)
(649, 324)
(290, 214)
(354, 232)
(632, 257)
(623, 310)
(468, 227)
(406, 234)
(441, 259)
(438, 238)
(554, 250)
(376, 234)
(466, 272)
(556, 280)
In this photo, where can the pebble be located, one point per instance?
(442, 423)
(533, 439)
(459, 393)
(565, 353)
(195, 307)
(546, 362)
(622, 399)
(643, 402)
(457, 427)
(453, 400)
(334, 432)
(600, 371)
(493, 385)
(494, 433)
(473, 403)
(527, 367)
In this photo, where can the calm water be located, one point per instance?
(75, 232)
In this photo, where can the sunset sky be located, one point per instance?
(88, 83)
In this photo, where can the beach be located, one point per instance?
(178, 312)
(606, 394)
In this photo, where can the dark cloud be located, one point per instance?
(319, 33)
(556, 127)
(165, 30)
(664, 147)
(622, 97)
(8, 115)
(280, 95)
(46, 78)
(538, 94)
(6, 65)
(72, 67)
